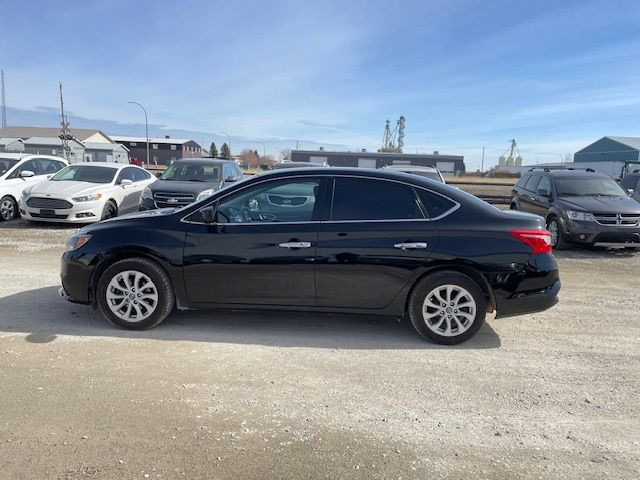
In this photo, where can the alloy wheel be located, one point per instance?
(553, 230)
(449, 310)
(7, 210)
(132, 296)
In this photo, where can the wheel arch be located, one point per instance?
(125, 254)
(474, 274)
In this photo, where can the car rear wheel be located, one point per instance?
(447, 308)
(135, 294)
(8, 208)
(110, 210)
(557, 237)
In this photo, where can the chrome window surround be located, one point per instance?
(455, 207)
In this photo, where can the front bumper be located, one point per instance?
(80, 212)
(595, 234)
(76, 269)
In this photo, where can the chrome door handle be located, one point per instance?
(295, 245)
(410, 245)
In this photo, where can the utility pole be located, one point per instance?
(482, 164)
(65, 134)
(3, 104)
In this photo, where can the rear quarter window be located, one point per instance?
(436, 205)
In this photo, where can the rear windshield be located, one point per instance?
(192, 172)
(579, 186)
(6, 164)
(431, 175)
(86, 173)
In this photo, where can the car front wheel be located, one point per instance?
(8, 208)
(447, 308)
(557, 237)
(135, 294)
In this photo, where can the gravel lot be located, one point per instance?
(265, 396)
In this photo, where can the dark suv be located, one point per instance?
(580, 206)
(188, 180)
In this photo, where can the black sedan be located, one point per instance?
(329, 240)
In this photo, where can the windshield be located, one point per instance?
(579, 186)
(86, 173)
(6, 164)
(192, 172)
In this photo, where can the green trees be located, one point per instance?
(225, 152)
(213, 151)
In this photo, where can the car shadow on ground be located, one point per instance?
(45, 316)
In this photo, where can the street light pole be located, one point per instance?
(228, 143)
(146, 128)
(264, 150)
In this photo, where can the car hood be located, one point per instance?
(183, 187)
(67, 188)
(599, 204)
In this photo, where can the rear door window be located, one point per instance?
(532, 183)
(371, 199)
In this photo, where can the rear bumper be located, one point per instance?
(528, 302)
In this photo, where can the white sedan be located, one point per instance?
(86, 193)
(19, 171)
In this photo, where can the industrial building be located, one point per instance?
(162, 151)
(447, 164)
(610, 149)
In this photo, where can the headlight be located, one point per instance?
(582, 216)
(205, 194)
(146, 193)
(87, 198)
(76, 241)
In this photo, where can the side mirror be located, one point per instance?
(630, 191)
(231, 179)
(543, 192)
(158, 174)
(26, 174)
(125, 181)
(207, 214)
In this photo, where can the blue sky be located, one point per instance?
(554, 75)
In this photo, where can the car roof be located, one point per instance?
(568, 173)
(413, 168)
(20, 156)
(204, 161)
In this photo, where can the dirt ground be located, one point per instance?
(553, 395)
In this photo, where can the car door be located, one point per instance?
(374, 240)
(527, 196)
(539, 200)
(128, 194)
(260, 247)
(19, 183)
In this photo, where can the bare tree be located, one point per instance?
(285, 155)
(249, 159)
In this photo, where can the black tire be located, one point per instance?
(161, 281)
(8, 208)
(426, 286)
(110, 210)
(559, 243)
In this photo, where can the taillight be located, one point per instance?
(538, 240)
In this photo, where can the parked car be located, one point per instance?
(282, 165)
(427, 172)
(319, 239)
(189, 180)
(85, 193)
(19, 171)
(631, 183)
(582, 207)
